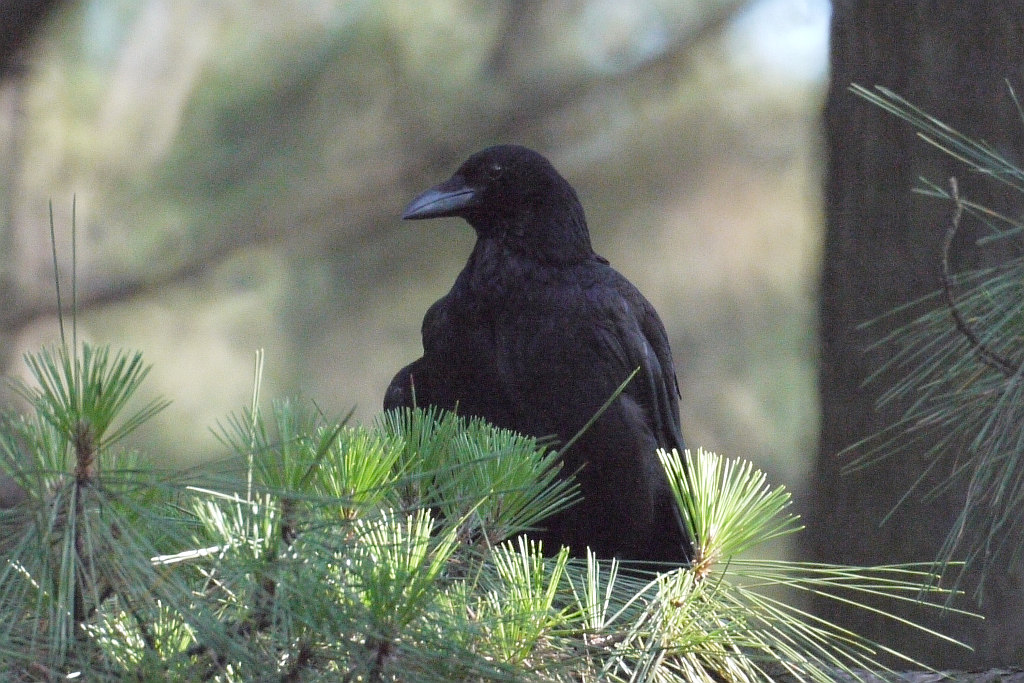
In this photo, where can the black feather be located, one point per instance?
(535, 335)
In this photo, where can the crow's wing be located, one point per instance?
(636, 338)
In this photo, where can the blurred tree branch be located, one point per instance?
(20, 20)
(523, 104)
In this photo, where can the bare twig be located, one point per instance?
(986, 354)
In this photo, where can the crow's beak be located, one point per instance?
(447, 199)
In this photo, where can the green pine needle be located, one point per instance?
(963, 398)
(727, 504)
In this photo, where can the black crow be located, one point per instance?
(536, 334)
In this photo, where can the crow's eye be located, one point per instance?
(494, 171)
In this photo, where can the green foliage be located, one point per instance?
(81, 394)
(78, 548)
(391, 552)
(727, 506)
(958, 370)
(496, 482)
(520, 604)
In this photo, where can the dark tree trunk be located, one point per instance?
(882, 250)
(19, 21)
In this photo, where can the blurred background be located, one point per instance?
(238, 169)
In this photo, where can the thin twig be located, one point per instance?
(987, 355)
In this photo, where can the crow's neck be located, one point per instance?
(549, 239)
(498, 274)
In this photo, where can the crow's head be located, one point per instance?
(514, 195)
